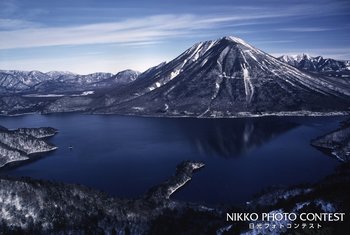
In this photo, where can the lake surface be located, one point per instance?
(125, 156)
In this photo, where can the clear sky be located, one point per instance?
(86, 36)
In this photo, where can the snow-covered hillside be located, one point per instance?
(17, 145)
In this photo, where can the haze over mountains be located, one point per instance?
(220, 78)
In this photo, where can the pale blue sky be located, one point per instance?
(86, 36)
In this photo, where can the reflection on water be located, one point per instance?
(228, 138)
(125, 156)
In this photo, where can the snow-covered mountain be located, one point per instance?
(316, 64)
(16, 81)
(58, 74)
(227, 77)
(121, 78)
(12, 81)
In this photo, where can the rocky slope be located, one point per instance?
(223, 78)
(20, 144)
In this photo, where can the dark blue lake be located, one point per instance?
(125, 156)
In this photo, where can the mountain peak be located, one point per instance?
(234, 39)
(238, 40)
(306, 56)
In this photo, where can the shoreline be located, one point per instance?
(23, 144)
(237, 115)
(240, 115)
(30, 157)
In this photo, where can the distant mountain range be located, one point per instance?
(318, 64)
(36, 82)
(220, 78)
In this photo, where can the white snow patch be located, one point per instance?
(224, 229)
(204, 62)
(195, 55)
(248, 86)
(46, 95)
(240, 41)
(170, 89)
(138, 108)
(251, 55)
(217, 86)
(171, 190)
(85, 93)
(207, 110)
(174, 74)
(212, 43)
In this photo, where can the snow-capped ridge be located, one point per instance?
(227, 76)
(239, 41)
(315, 63)
(59, 73)
(36, 82)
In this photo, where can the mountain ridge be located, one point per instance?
(222, 78)
(318, 64)
(17, 81)
(226, 77)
